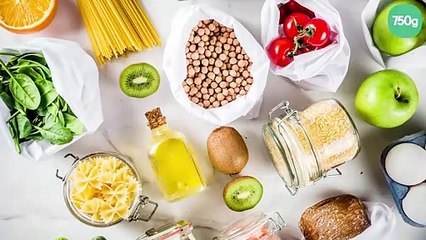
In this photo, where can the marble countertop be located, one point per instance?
(31, 200)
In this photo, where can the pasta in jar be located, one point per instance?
(103, 188)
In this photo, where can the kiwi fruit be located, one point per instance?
(227, 150)
(242, 193)
(139, 80)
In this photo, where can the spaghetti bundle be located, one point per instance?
(116, 27)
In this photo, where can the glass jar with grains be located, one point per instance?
(305, 145)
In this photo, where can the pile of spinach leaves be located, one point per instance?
(37, 112)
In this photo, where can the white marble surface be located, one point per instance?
(31, 201)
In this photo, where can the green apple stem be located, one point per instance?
(398, 93)
(398, 96)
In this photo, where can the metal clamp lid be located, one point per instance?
(76, 158)
(182, 228)
(277, 221)
(285, 106)
(137, 213)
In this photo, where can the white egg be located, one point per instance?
(414, 204)
(406, 164)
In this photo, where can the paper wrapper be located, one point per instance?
(406, 60)
(76, 79)
(176, 69)
(322, 70)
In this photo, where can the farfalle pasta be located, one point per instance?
(103, 188)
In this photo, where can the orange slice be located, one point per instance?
(27, 16)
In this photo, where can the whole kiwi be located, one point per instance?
(227, 150)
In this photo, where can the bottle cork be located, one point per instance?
(155, 118)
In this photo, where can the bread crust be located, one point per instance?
(337, 218)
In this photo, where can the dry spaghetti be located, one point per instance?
(116, 27)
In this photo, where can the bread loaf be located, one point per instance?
(337, 218)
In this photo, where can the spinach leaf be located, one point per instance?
(24, 126)
(53, 110)
(73, 124)
(15, 67)
(41, 72)
(46, 88)
(47, 91)
(36, 136)
(25, 91)
(60, 118)
(39, 65)
(62, 104)
(9, 53)
(7, 99)
(13, 129)
(48, 121)
(37, 57)
(30, 72)
(56, 134)
(42, 112)
(17, 106)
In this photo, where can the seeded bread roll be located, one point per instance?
(337, 218)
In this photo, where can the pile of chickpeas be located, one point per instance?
(218, 68)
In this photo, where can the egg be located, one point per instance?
(406, 163)
(413, 204)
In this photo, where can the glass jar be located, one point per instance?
(305, 145)
(256, 226)
(136, 210)
(181, 230)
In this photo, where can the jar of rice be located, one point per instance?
(305, 145)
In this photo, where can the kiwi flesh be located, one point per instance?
(139, 80)
(243, 193)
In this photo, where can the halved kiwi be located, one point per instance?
(242, 193)
(139, 80)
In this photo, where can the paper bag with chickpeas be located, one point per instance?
(216, 68)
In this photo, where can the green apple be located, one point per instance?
(387, 99)
(391, 44)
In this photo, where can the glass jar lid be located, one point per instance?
(135, 207)
(255, 225)
(181, 230)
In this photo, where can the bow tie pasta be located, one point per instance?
(103, 188)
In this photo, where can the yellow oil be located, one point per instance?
(176, 171)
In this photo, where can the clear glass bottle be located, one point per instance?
(181, 230)
(254, 227)
(305, 145)
(176, 171)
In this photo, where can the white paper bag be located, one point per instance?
(174, 64)
(76, 79)
(323, 69)
(368, 15)
(382, 220)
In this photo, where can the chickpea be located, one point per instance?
(218, 68)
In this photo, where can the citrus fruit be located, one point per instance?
(27, 16)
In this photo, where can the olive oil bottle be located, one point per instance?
(175, 169)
